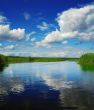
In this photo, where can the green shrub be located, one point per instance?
(3, 62)
(87, 59)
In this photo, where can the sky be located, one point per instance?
(46, 28)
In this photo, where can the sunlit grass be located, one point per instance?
(87, 59)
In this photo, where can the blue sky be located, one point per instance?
(59, 28)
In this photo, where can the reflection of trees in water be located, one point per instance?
(84, 100)
(1, 68)
(87, 67)
(3, 63)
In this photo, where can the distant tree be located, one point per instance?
(30, 58)
(3, 62)
(87, 58)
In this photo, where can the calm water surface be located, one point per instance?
(46, 86)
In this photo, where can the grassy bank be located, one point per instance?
(84, 59)
(3, 62)
(16, 59)
(12, 59)
(86, 62)
(87, 59)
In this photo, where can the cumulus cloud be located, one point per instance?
(26, 15)
(73, 23)
(11, 34)
(77, 19)
(81, 21)
(2, 19)
(56, 36)
(43, 26)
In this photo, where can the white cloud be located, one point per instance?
(56, 36)
(33, 39)
(7, 34)
(44, 26)
(65, 42)
(29, 35)
(57, 54)
(26, 15)
(43, 44)
(9, 47)
(73, 23)
(17, 33)
(80, 20)
(66, 51)
(37, 54)
(2, 19)
(49, 54)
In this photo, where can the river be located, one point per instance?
(46, 86)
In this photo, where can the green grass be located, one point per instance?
(3, 62)
(16, 59)
(87, 59)
(86, 62)
(87, 67)
(12, 59)
(36, 59)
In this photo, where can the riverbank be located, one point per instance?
(87, 59)
(17, 59)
